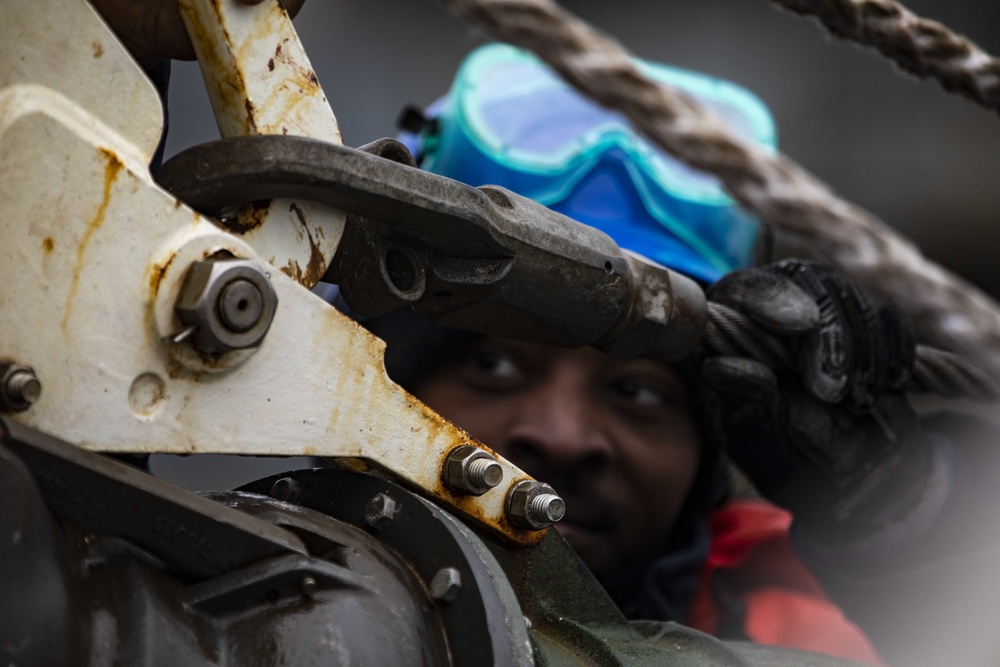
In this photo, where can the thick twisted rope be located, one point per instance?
(730, 333)
(813, 222)
(917, 45)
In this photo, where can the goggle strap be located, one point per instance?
(412, 119)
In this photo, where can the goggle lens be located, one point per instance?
(525, 114)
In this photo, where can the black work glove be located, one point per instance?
(832, 437)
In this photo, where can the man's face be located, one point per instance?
(614, 437)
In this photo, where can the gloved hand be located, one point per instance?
(833, 439)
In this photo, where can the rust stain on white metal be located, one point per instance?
(260, 81)
(111, 170)
(316, 265)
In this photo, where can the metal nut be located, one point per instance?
(472, 470)
(534, 505)
(380, 510)
(19, 387)
(446, 584)
(229, 302)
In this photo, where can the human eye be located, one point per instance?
(493, 368)
(494, 362)
(639, 393)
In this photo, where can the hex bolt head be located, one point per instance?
(446, 584)
(471, 470)
(230, 304)
(534, 505)
(19, 387)
(380, 510)
(286, 489)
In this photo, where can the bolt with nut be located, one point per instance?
(471, 470)
(534, 505)
(19, 387)
(229, 304)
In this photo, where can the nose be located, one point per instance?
(560, 430)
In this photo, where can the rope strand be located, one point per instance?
(924, 48)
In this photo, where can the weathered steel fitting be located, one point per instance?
(667, 316)
(472, 470)
(380, 510)
(446, 584)
(229, 302)
(534, 505)
(19, 387)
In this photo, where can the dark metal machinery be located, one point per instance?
(471, 258)
(109, 566)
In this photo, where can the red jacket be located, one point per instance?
(753, 566)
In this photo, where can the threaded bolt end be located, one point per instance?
(534, 505)
(471, 470)
(19, 387)
(24, 387)
(546, 508)
(485, 473)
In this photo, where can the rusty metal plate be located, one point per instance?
(260, 81)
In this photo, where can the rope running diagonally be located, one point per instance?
(731, 333)
(813, 222)
(917, 45)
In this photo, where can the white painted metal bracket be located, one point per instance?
(93, 256)
(260, 81)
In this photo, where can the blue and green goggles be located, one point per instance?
(508, 120)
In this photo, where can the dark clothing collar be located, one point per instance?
(662, 588)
